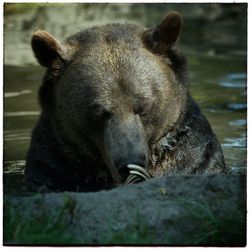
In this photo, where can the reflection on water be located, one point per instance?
(240, 122)
(235, 142)
(21, 113)
(14, 94)
(234, 81)
(218, 85)
(237, 106)
(21, 108)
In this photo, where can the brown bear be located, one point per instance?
(115, 95)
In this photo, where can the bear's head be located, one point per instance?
(113, 91)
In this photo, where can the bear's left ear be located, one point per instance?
(165, 35)
(46, 48)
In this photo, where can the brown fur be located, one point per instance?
(115, 95)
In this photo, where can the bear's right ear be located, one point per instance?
(46, 48)
(164, 35)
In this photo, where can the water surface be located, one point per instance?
(218, 84)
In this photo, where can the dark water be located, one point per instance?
(218, 84)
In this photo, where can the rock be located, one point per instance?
(175, 210)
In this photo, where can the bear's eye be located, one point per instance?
(142, 106)
(97, 112)
(139, 110)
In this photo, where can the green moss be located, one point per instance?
(212, 229)
(201, 226)
(140, 233)
(40, 229)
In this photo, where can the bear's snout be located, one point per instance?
(125, 143)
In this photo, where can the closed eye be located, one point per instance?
(139, 110)
(142, 105)
(98, 112)
(142, 110)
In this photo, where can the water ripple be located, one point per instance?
(17, 135)
(235, 142)
(237, 106)
(21, 113)
(237, 76)
(14, 167)
(236, 80)
(239, 122)
(15, 94)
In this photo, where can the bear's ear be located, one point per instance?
(164, 35)
(46, 48)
